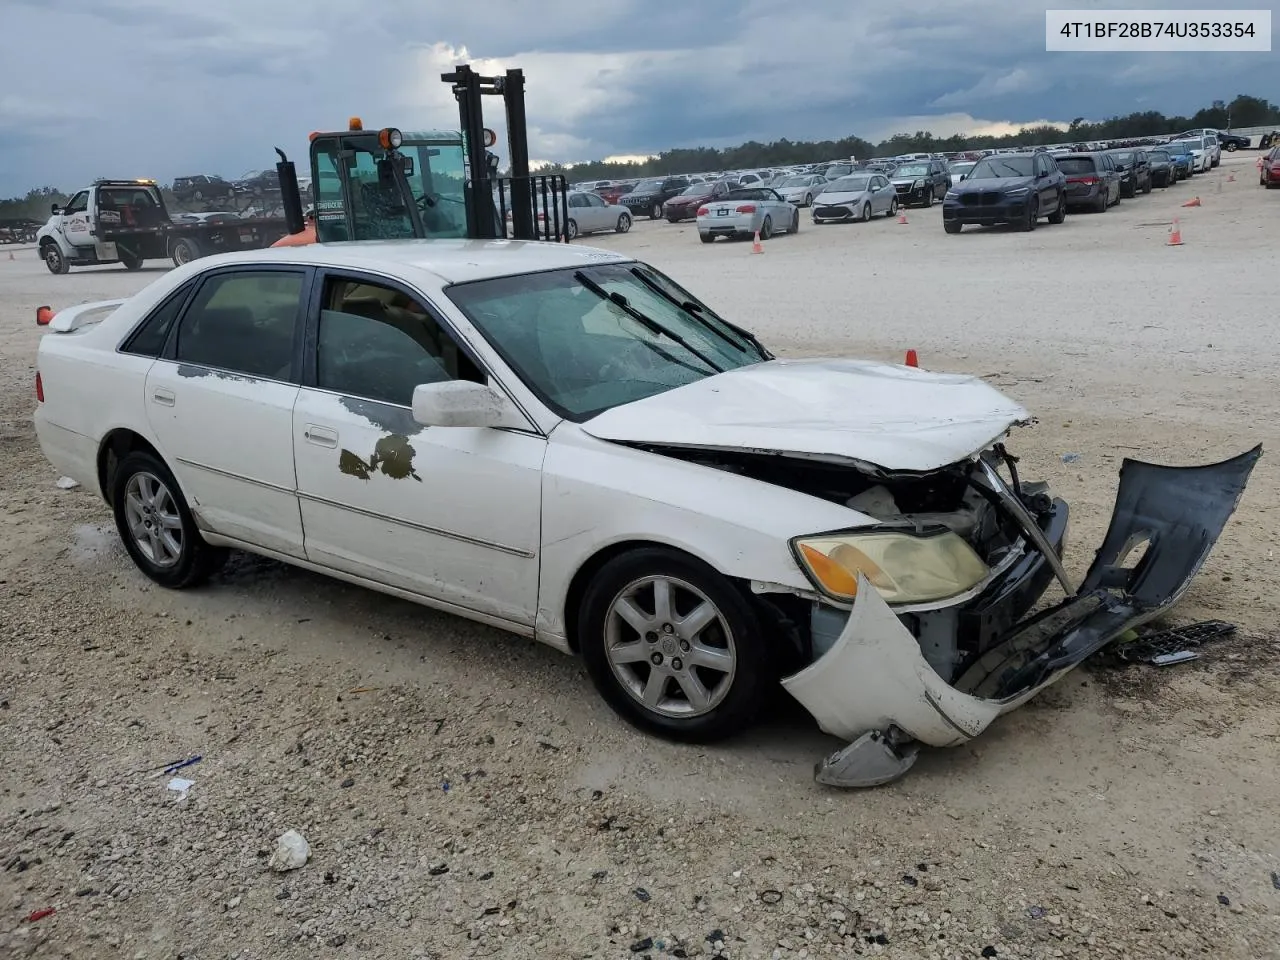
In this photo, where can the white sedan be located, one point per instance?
(742, 213)
(565, 443)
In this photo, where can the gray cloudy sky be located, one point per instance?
(162, 88)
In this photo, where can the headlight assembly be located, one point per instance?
(1017, 192)
(905, 567)
(951, 195)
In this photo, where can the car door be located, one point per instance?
(579, 212)
(1045, 193)
(447, 513)
(598, 211)
(220, 399)
(73, 221)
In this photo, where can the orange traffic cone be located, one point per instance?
(902, 215)
(912, 359)
(43, 316)
(1193, 202)
(756, 245)
(1175, 234)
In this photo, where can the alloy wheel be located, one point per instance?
(670, 647)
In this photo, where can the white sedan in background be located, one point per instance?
(564, 443)
(800, 189)
(744, 212)
(859, 196)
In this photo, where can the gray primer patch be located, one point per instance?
(384, 416)
(191, 371)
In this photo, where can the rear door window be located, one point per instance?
(245, 322)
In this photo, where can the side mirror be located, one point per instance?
(464, 403)
(54, 209)
(963, 176)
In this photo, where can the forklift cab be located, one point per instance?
(386, 185)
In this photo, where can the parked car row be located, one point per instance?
(1022, 188)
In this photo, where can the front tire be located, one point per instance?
(156, 525)
(1033, 214)
(673, 646)
(865, 215)
(656, 212)
(624, 223)
(132, 263)
(54, 260)
(571, 229)
(952, 226)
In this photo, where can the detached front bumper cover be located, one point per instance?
(875, 689)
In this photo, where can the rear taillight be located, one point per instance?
(703, 211)
(747, 208)
(39, 388)
(1087, 181)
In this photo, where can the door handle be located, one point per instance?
(320, 436)
(163, 396)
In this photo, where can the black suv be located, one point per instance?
(1016, 188)
(649, 195)
(200, 188)
(1135, 170)
(921, 182)
(1231, 142)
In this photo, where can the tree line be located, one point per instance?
(1243, 111)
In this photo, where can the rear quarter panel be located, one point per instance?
(90, 388)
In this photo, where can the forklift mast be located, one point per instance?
(385, 184)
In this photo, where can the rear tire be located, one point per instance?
(766, 228)
(571, 229)
(707, 238)
(185, 249)
(156, 525)
(132, 263)
(733, 640)
(656, 212)
(1060, 215)
(795, 223)
(893, 207)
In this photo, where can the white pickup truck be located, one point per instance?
(126, 221)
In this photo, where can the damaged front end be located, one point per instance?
(925, 633)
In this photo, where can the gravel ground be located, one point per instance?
(465, 794)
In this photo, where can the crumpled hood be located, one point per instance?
(889, 416)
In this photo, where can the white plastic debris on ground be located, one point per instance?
(66, 483)
(292, 851)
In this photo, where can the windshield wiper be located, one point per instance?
(642, 318)
(688, 306)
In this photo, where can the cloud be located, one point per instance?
(162, 88)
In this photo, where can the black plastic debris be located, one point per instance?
(1036, 913)
(716, 936)
(1275, 879)
(642, 894)
(771, 897)
(640, 946)
(909, 880)
(989, 951)
(1224, 900)
(1164, 648)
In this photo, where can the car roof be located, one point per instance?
(450, 261)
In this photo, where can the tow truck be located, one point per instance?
(390, 184)
(126, 221)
